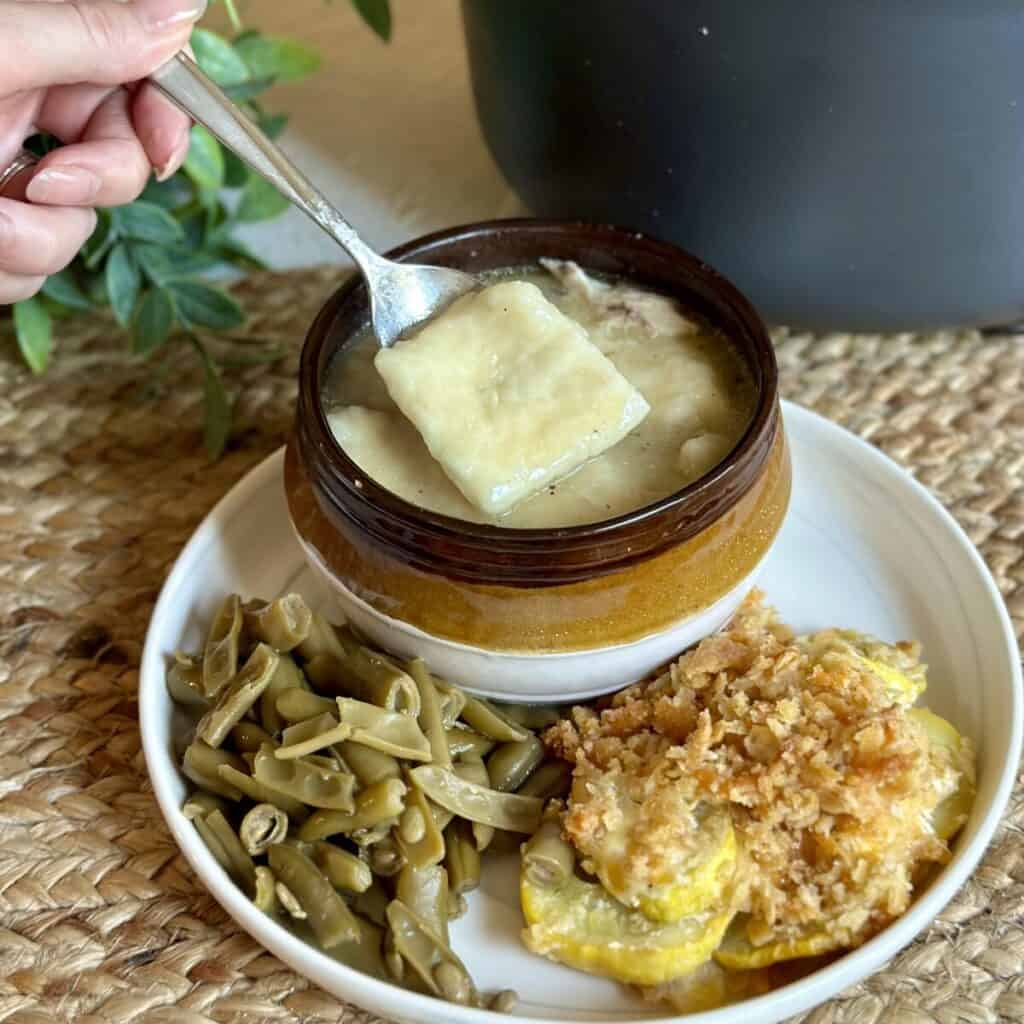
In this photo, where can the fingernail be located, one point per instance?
(178, 153)
(169, 14)
(67, 185)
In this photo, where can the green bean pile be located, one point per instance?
(352, 795)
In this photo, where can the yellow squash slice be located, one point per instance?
(951, 814)
(738, 953)
(578, 924)
(693, 884)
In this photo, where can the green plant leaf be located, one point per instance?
(205, 161)
(236, 174)
(161, 264)
(218, 58)
(278, 58)
(231, 250)
(123, 282)
(218, 408)
(170, 194)
(376, 14)
(273, 124)
(63, 288)
(213, 217)
(146, 222)
(199, 305)
(260, 201)
(153, 321)
(193, 226)
(247, 90)
(98, 244)
(34, 330)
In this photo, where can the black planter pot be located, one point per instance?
(850, 164)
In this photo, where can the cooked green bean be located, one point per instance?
(364, 954)
(255, 790)
(373, 903)
(327, 760)
(535, 717)
(548, 858)
(311, 735)
(367, 677)
(478, 803)
(551, 779)
(425, 892)
(504, 1001)
(472, 769)
(283, 624)
(462, 858)
(365, 763)
(345, 870)
(321, 639)
(377, 803)
(417, 833)
(430, 713)
(364, 838)
(466, 743)
(431, 958)
(314, 785)
(441, 815)
(329, 916)
(213, 844)
(457, 905)
(386, 859)
(393, 959)
(262, 826)
(220, 655)
(185, 680)
(242, 692)
(286, 679)
(200, 803)
(248, 737)
(201, 763)
(388, 731)
(513, 763)
(341, 740)
(289, 901)
(242, 865)
(297, 705)
(452, 700)
(486, 719)
(265, 897)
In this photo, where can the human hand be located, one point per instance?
(70, 68)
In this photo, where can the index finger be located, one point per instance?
(99, 41)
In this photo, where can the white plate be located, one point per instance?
(864, 547)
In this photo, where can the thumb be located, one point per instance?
(104, 42)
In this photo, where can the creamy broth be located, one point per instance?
(700, 394)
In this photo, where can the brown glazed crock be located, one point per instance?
(543, 589)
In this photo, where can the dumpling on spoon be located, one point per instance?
(509, 393)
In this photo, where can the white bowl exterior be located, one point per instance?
(523, 677)
(976, 681)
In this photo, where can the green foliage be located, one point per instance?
(34, 330)
(147, 261)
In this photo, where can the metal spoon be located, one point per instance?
(401, 294)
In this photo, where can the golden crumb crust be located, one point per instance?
(831, 785)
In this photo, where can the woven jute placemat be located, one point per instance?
(101, 482)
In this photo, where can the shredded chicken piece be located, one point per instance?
(830, 784)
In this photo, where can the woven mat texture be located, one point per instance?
(101, 483)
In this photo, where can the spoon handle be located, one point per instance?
(183, 82)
